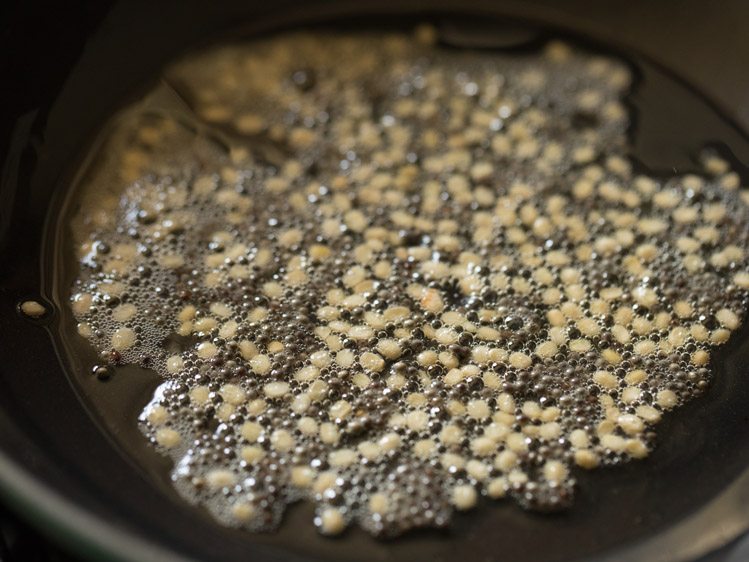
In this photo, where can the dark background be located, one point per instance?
(706, 43)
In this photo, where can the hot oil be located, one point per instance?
(111, 394)
(653, 135)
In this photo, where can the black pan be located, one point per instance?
(63, 467)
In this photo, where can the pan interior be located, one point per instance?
(703, 444)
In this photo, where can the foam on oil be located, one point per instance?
(453, 285)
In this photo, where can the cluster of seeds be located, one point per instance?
(453, 286)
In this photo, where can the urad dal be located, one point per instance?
(453, 286)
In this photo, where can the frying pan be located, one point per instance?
(62, 465)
